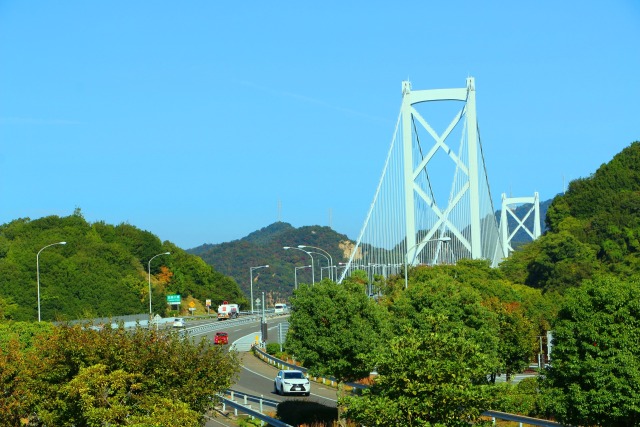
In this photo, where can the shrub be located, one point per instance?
(273, 348)
(522, 398)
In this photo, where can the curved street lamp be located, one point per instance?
(251, 280)
(328, 262)
(295, 274)
(320, 249)
(38, 271)
(445, 239)
(313, 274)
(149, 270)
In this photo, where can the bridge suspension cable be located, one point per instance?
(413, 218)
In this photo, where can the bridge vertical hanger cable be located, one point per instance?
(422, 177)
(355, 250)
(409, 182)
(498, 242)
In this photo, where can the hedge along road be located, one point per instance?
(256, 377)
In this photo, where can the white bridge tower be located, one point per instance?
(509, 212)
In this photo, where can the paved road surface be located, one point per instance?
(256, 377)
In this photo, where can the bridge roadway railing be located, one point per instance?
(281, 364)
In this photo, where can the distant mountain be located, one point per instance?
(265, 247)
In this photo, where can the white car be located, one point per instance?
(292, 382)
(280, 309)
(178, 323)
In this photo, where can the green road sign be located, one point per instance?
(173, 299)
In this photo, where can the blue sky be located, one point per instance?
(203, 121)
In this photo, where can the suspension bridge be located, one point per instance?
(433, 202)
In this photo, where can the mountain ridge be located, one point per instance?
(265, 247)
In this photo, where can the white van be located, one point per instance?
(281, 309)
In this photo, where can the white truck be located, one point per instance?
(227, 311)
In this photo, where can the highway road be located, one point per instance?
(256, 377)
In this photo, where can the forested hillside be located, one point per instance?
(265, 247)
(594, 228)
(101, 271)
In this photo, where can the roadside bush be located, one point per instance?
(273, 348)
(522, 398)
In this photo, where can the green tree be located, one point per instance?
(433, 367)
(593, 228)
(101, 271)
(595, 374)
(459, 303)
(562, 261)
(425, 378)
(334, 330)
(77, 376)
(517, 334)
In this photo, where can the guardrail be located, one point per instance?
(246, 408)
(521, 419)
(282, 364)
(246, 398)
(493, 414)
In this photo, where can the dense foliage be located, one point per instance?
(436, 346)
(594, 378)
(432, 369)
(75, 376)
(333, 329)
(593, 228)
(101, 271)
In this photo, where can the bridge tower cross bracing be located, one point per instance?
(412, 220)
(409, 114)
(507, 210)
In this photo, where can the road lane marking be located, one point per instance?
(271, 378)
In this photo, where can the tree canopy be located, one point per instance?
(73, 375)
(433, 366)
(592, 228)
(334, 329)
(594, 378)
(101, 271)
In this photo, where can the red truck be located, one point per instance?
(221, 338)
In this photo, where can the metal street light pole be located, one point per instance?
(328, 262)
(295, 275)
(251, 280)
(313, 274)
(320, 249)
(38, 271)
(149, 272)
(324, 268)
(440, 239)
